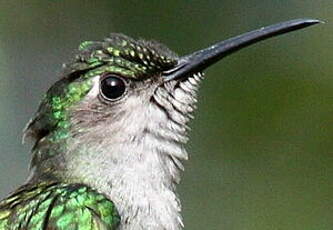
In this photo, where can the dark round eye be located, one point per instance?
(112, 87)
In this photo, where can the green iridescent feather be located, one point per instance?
(59, 207)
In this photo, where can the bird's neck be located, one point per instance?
(138, 170)
(138, 176)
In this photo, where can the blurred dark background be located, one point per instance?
(261, 146)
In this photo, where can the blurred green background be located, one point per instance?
(261, 147)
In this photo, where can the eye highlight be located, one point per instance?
(112, 87)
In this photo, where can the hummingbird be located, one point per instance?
(109, 135)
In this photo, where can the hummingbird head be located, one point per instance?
(114, 93)
(118, 118)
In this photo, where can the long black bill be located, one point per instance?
(201, 59)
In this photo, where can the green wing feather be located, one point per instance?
(55, 206)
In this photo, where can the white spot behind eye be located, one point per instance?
(93, 93)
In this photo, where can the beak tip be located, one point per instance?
(311, 21)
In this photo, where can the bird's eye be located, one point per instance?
(112, 87)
